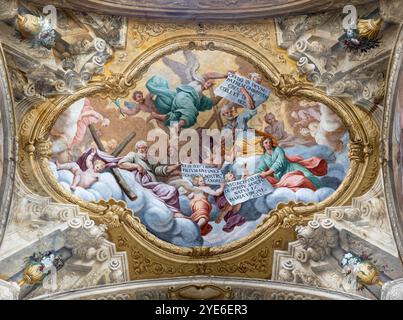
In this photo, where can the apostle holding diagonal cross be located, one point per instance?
(143, 171)
(120, 180)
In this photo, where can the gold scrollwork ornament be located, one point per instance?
(159, 258)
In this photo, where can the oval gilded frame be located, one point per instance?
(36, 150)
(395, 210)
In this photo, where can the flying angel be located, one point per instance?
(198, 191)
(182, 106)
(139, 103)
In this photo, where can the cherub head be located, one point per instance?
(303, 103)
(314, 127)
(306, 104)
(105, 122)
(230, 176)
(198, 181)
(111, 145)
(294, 115)
(228, 111)
(254, 76)
(99, 165)
(270, 118)
(305, 132)
(138, 96)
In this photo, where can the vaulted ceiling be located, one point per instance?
(298, 248)
(205, 10)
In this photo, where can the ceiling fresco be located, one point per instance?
(146, 140)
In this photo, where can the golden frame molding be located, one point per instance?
(150, 257)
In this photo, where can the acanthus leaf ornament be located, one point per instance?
(287, 85)
(114, 214)
(286, 215)
(359, 151)
(116, 85)
(43, 148)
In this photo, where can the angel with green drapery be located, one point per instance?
(183, 105)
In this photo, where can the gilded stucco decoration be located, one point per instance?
(391, 158)
(205, 288)
(8, 146)
(148, 255)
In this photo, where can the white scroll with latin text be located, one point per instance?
(243, 190)
(211, 175)
(230, 90)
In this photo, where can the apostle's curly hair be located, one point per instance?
(265, 136)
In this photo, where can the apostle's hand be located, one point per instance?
(262, 175)
(265, 174)
(243, 91)
(270, 172)
(139, 168)
(181, 124)
(173, 168)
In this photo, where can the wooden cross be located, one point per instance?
(216, 116)
(115, 171)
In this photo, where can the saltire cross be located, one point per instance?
(115, 171)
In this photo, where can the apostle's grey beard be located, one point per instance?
(142, 156)
(230, 118)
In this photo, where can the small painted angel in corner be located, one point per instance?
(141, 103)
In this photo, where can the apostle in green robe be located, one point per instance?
(291, 172)
(184, 104)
